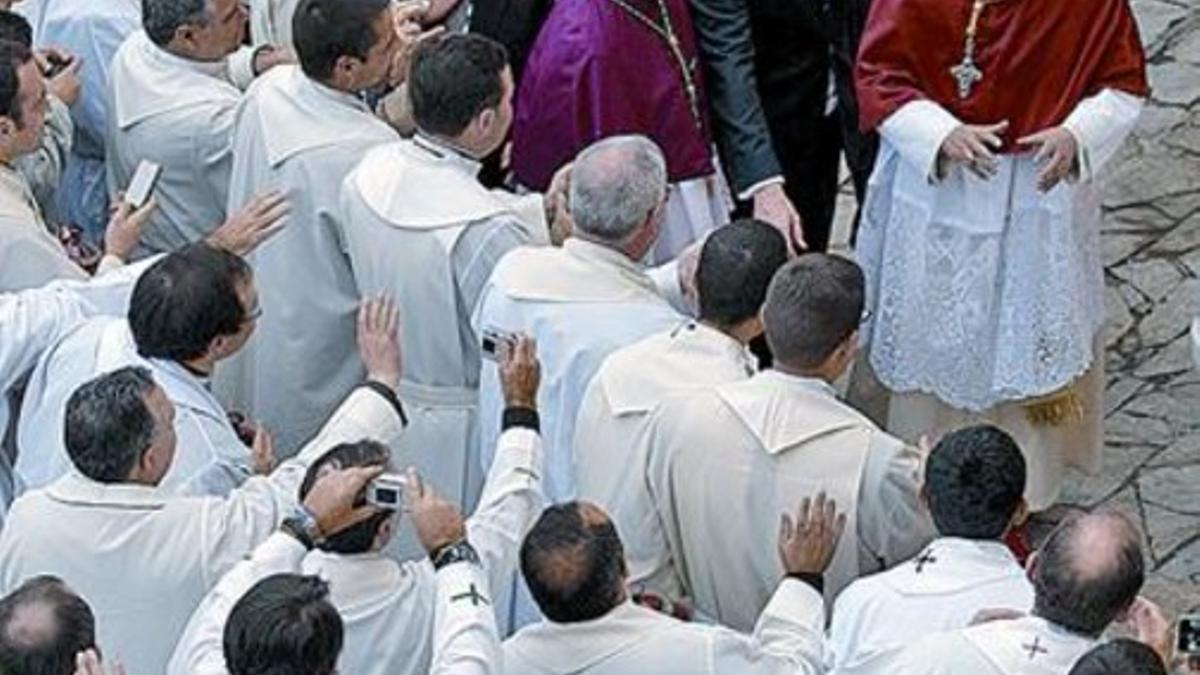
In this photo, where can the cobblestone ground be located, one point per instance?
(1151, 239)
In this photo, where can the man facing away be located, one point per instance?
(735, 267)
(974, 482)
(143, 556)
(44, 625)
(421, 228)
(574, 564)
(980, 232)
(724, 461)
(1085, 576)
(300, 131)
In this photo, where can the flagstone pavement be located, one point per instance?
(1151, 240)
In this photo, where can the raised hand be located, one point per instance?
(379, 340)
(332, 498)
(806, 546)
(438, 522)
(520, 373)
(1057, 154)
(974, 147)
(257, 222)
(125, 227)
(88, 662)
(262, 452)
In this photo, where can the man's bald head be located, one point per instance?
(1088, 572)
(574, 563)
(43, 625)
(617, 185)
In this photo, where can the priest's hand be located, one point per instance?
(269, 56)
(379, 340)
(333, 498)
(1150, 626)
(125, 227)
(257, 222)
(520, 373)
(407, 20)
(771, 205)
(1057, 154)
(262, 452)
(65, 84)
(88, 662)
(973, 146)
(806, 546)
(438, 522)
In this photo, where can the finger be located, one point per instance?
(393, 324)
(830, 515)
(416, 485)
(359, 476)
(978, 149)
(802, 513)
(266, 233)
(786, 529)
(991, 140)
(838, 528)
(71, 70)
(143, 214)
(432, 32)
(999, 128)
(818, 508)
(797, 230)
(1033, 139)
(978, 170)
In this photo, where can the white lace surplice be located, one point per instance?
(984, 291)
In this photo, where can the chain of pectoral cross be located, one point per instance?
(666, 31)
(967, 74)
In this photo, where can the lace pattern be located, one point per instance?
(975, 314)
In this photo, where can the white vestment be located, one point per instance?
(420, 227)
(301, 138)
(942, 589)
(271, 21)
(633, 640)
(43, 168)
(694, 208)
(143, 558)
(29, 255)
(210, 459)
(388, 608)
(178, 113)
(987, 293)
(1027, 646)
(610, 435)
(92, 31)
(725, 463)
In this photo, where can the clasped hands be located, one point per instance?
(974, 146)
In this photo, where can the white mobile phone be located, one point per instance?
(142, 185)
(387, 491)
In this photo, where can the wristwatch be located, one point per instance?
(302, 525)
(459, 551)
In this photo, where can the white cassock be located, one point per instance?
(633, 640)
(388, 608)
(1027, 646)
(462, 629)
(144, 558)
(942, 589)
(987, 294)
(34, 320)
(91, 31)
(177, 113)
(420, 227)
(30, 255)
(610, 435)
(726, 462)
(210, 459)
(300, 138)
(271, 21)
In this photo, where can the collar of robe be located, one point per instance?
(1029, 645)
(365, 584)
(575, 647)
(147, 81)
(783, 411)
(692, 353)
(580, 271)
(297, 114)
(75, 489)
(952, 565)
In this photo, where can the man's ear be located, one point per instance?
(1031, 565)
(1020, 515)
(345, 71)
(8, 128)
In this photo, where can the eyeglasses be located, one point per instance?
(866, 316)
(253, 315)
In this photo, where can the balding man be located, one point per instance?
(724, 462)
(574, 564)
(43, 626)
(1086, 575)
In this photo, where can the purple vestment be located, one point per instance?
(597, 71)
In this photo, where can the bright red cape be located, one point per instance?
(1039, 59)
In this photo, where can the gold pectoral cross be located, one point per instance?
(966, 74)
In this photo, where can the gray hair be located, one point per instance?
(108, 426)
(161, 18)
(615, 184)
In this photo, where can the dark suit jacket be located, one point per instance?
(512, 23)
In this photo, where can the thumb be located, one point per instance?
(1033, 139)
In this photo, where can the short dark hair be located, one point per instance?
(161, 18)
(575, 570)
(325, 30)
(15, 28)
(974, 481)
(736, 265)
(357, 538)
(13, 55)
(452, 79)
(187, 299)
(813, 304)
(1120, 657)
(284, 625)
(43, 625)
(108, 426)
(1083, 588)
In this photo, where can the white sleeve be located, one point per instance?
(917, 131)
(512, 499)
(240, 66)
(465, 638)
(1101, 124)
(788, 636)
(200, 650)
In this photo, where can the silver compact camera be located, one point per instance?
(387, 491)
(495, 343)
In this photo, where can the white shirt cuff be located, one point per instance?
(748, 194)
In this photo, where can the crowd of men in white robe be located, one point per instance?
(321, 291)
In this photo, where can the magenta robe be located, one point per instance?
(596, 71)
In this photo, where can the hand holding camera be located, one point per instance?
(438, 522)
